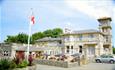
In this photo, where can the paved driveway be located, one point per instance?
(91, 66)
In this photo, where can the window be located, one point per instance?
(80, 37)
(5, 53)
(60, 42)
(107, 39)
(111, 57)
(67, 38)
(103, 56)
(80, 49)
(71, 47)
(67, 49)
(91, 35)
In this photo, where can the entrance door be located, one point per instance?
(91, 51)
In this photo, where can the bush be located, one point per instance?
(113, 50)
(23, 64)
(12, 65)
(4, 64)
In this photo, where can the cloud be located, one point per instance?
(93, 8)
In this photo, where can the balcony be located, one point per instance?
(82, 40)
(107, 43)
(105, 25)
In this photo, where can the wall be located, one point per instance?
(56, 63)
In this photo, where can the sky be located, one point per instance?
(49, 14)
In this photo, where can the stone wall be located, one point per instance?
(64, 64)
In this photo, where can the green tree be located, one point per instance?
(37, 36)
(113, 50)
(23, 38)
(57, 32)
(48, 33)
(53, 33)
(20, 38)
(10, 39)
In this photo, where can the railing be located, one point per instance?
(105, 25)
(55, 45)
(84, 39)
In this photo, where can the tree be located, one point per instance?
(48, 33)
(20, 38)
(23, 38)
(54, 33)
(37, 36)
(57, 32)
(10, 39)
(113, 50)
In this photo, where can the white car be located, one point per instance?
(105, 59)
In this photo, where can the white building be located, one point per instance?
(88, 42)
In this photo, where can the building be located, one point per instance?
(87, 42)
(53, 45)
(13, 50)
(7, 50)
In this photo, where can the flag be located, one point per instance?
(32, 19)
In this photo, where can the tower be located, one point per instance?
(105, 28)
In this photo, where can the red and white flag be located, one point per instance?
(32, 19)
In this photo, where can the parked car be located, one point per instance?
(105, 59)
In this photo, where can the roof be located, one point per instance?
(85, 31)
(105, 18)
(49, 39)
(32, 48)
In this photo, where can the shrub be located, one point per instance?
(12, 65)
(113, 50)
(23, 64)
(4, 64)
(16, 60)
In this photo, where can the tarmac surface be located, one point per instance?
(90, 66)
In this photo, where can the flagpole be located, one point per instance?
(29, 36)
(28, 48)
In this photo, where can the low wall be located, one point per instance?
(64, 64)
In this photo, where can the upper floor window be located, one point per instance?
(107, 39)
(67, 38)
(91, 35)
(71, 47)
(67, 49)
(80, 37)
